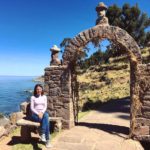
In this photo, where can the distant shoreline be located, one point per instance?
(17, 76)
(39, 79)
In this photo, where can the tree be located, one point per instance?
(132, 20)
(83, 51)
(65, 42)
(96, 58)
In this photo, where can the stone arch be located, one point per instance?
(117, 36)
(113, 33)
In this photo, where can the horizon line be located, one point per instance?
(22, 75)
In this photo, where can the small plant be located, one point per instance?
(1, 115)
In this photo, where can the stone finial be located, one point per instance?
(54, 56)
(55, 48)
(101, 6)
(101, 9)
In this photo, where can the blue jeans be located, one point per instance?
(44, 122)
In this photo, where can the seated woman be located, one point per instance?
(38, 107)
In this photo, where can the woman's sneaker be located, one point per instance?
(42, 138)
(48, 144)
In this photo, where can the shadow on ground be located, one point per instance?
(113, 129)
(146, 145)
(113, 105)
(17, 140)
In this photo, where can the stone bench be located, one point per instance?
(28, 126)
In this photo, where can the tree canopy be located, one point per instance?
(131, 19)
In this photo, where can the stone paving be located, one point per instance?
(103, 129)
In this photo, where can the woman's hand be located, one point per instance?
(40, 115)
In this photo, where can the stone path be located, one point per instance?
(104, 129)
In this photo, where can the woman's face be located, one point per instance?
(39, 90)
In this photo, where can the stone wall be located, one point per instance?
(121, 38)
(58, 90)
(142, 120)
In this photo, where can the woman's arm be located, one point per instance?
(45, 106)
(32, 105)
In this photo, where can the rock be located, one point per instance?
(4, 121)
(23, 122)
(23, 107)
(2, 131)
(14, 117)
(141, 130)
(9, 128)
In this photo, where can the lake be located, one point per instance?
(13, 91)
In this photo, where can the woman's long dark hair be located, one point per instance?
(38, 85)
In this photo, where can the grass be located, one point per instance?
(26, 147)
(81, 114)
(101, 85)
(1, 115)
(110, 84)
(29, 146)
(145, 51)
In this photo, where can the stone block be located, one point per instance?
(46, 78)
(145, 109)
(63, 113)
(65, 100)
(55, 92)
(2, 131)
(50, 106)
(146, 103)
(14, 117)
(86, 34)
(82, 37)
(23, 107)
(47, 73)
(142, 121)
(146, 115)
(147, 97)
(142, 130)
(90, 33)
(77, 38)
(75, 42)
(46, 88)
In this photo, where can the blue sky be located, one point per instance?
(28, 28)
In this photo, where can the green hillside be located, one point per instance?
(104, 82)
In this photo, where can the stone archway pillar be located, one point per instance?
(57, 86)
(141, 122)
